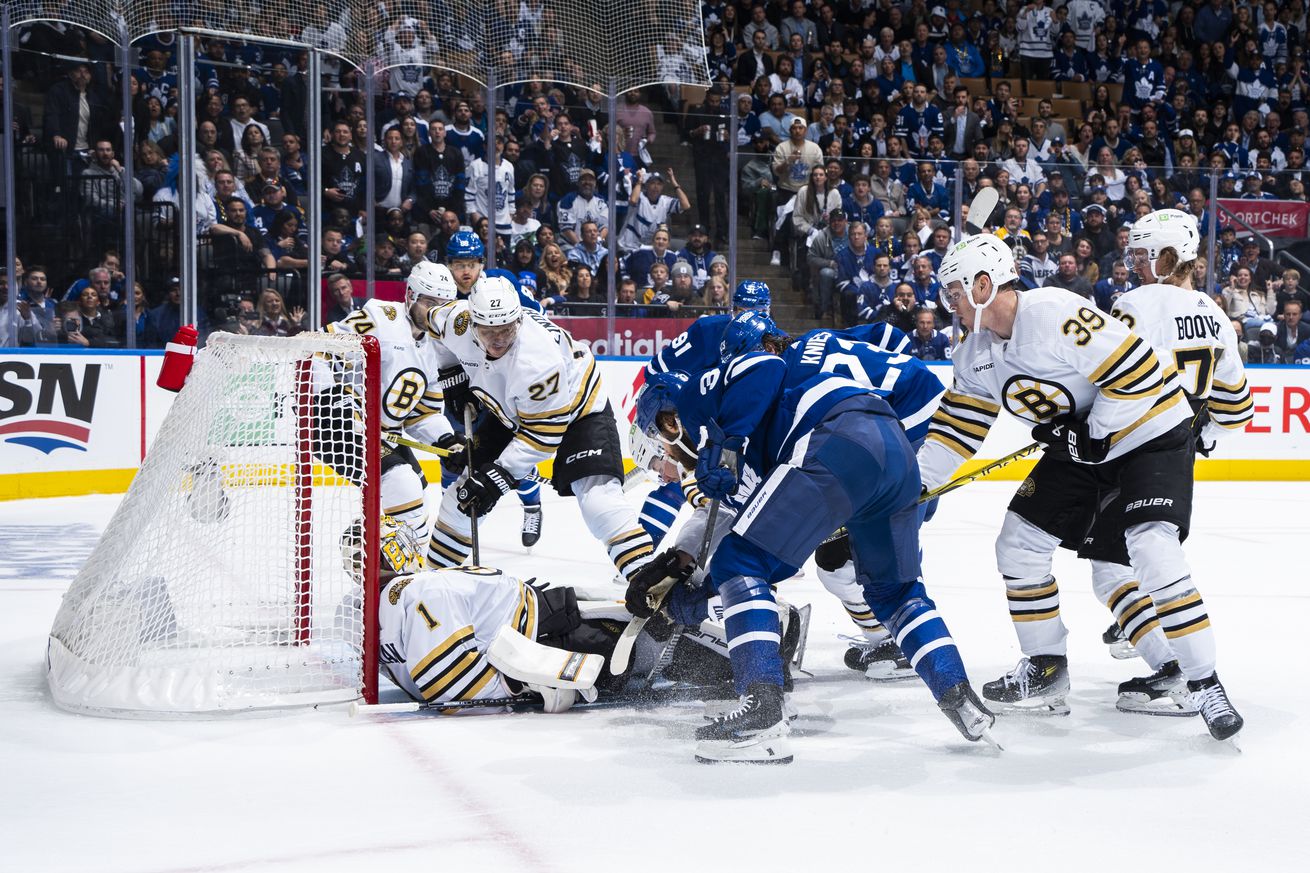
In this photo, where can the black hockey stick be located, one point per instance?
(468, 464)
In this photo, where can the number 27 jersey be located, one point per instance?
(1065, 359)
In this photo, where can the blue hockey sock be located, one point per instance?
(529, 493)
(926, 642)
(660, 510)
(750, 617)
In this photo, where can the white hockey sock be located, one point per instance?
(1116, 586)
(452, 536)
(613, 521)
(1162, 568)
(1023, 555)
(842, 585)
(402, 499)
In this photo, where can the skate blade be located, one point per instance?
(1036, 708)
(1122, 651)
(1164, 707)
(895, 674)
(1232, 743)
(986, 736)
(751, 750)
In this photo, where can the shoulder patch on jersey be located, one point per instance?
(462, 323)
(389, 312)
(393, 593)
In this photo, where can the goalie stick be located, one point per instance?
(623, 648)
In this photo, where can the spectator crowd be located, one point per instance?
(861, 125)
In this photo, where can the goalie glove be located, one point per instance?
(483, 489)
(455, 390)
(650, 584)
(1072, 439)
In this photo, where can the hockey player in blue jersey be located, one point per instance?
(696, 350)
(801, 462)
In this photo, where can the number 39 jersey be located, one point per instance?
(1188, 329)
(1064, 359)
(537, 389)
(411, 400)
(434, 629)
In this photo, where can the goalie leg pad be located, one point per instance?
(530, 662)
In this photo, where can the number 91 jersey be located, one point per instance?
(1065, 359)
(411, 399)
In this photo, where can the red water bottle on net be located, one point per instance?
(178, 357)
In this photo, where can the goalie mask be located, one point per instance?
(397, 546)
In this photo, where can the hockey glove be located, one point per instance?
(482, 489)
(718, 465)
(651, 582)
(455, 391)
(1072, 439)
(457, 460)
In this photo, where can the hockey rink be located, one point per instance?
(881, 779)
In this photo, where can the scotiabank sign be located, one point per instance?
(632, 337)
(1280, 218)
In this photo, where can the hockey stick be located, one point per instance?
(468, 465)
(980, 473)
(980, 209)
(622, 653)
(631, 478)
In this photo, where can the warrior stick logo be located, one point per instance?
(29, 415)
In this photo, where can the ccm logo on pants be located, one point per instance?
(1149, 501)
(578, 456)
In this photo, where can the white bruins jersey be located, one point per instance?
(1065, 358)
(411, 399)
(537, 389)
(434, 629)
(1189, 329)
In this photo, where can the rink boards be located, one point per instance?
(80, 423)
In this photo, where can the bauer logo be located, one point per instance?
(49, 406)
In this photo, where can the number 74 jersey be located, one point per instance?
(1064, 359)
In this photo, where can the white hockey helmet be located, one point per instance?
(980, 253)
(494, 302)
(1165, 229)
(430, 280)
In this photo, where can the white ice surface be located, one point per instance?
(881, 780)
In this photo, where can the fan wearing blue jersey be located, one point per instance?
(800, 462)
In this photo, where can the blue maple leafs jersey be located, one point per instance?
(695, 350)
(905, 382)
(750, 397)
(879, 334)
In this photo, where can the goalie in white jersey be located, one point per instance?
(1115, 479)
(411, 390)
(544, 393)
(464, 634)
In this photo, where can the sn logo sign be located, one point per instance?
(47, 407)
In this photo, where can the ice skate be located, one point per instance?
(884, 662)
(1120, 648)
(531, 524)
(755, 732)
(974, 720)
(1210, 699)
(1037, 685)
(1164, 692)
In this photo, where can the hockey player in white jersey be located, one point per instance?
(464, 634)
(1189, 330)
(411, 393)
(1115, 474)
(544, 393)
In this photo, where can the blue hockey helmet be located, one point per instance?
(465, 245)
(658, 394)
(751, 294)
(745, 333)
(511, 277)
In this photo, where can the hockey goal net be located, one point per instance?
(219, 585)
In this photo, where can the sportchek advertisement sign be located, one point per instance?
(1280, 218)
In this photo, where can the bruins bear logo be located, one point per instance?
(461, 323)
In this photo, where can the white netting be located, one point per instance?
(219, 584)
(581, 42)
